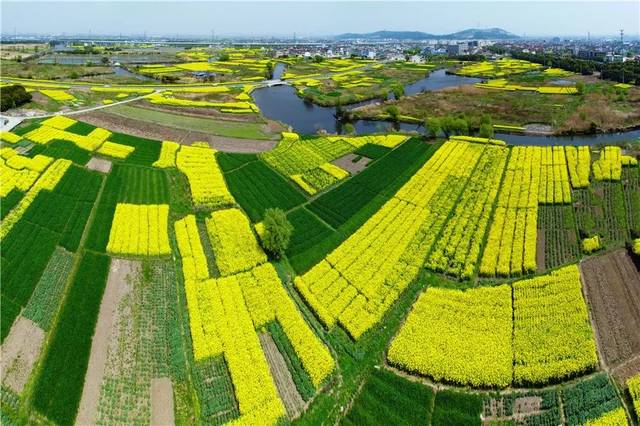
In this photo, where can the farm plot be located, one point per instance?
(125, 184)
(477, 337)
(357, 282)
(534, 175)
(591, 399)
(308, 161)
(248, 300)
(208, 188)
(457, 408)
(58, 388)
(459, 337)
(43, 221)
(557, 224)
(387, 398)
(612, 285)
(144, 343)
(524, 408)
(19, 353)
(601, 210)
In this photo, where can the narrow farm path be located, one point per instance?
(289, 394)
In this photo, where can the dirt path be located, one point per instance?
(162, 402)
(118, 287)
(282, 376)
(19, 353)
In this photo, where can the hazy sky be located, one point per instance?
(318, 18)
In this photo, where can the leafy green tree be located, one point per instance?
(398, 91)
(433, 126)
(580, 87)
(277, 232)
(393, 112)
(349, 129)
(486, 131)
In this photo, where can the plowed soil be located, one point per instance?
(612, 287)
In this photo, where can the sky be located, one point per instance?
(311, 18)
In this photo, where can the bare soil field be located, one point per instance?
(117, 288)
(184, 137)
(19, 353)
(346, 162)
(612, 287)
(162, 402)
(99, 165)
(284, 382)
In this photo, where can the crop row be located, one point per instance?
(457, 250)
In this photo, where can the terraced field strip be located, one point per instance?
(162, 402)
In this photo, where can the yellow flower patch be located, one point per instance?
(140, 230)
(115, 150)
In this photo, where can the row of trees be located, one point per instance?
(623, 72)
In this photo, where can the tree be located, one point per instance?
(277, 232)
(580, 87)
(433, 126)
(223, 57)
(398, 91)
(393, 112)
(348, 129)
(104, 60)
(486, 131)
(13, 96)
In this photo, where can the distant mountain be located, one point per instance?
(470, 34)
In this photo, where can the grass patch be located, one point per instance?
(390, 399)
(9, 201)
(229, 161)
(147, 151)
(59, 148)
(256, 187)
(237, 129)
(456, 408)
(372, 151)
(58, 389)
(308, 231)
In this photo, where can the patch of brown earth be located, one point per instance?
(118, 286)
(612, 287)
(99, 164)
(346, 162)
(162, 402)
(19, 353)
(185, 137)
(289, 394)
(526, 405)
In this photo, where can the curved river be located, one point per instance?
(282, 104)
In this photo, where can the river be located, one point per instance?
(282, 104)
